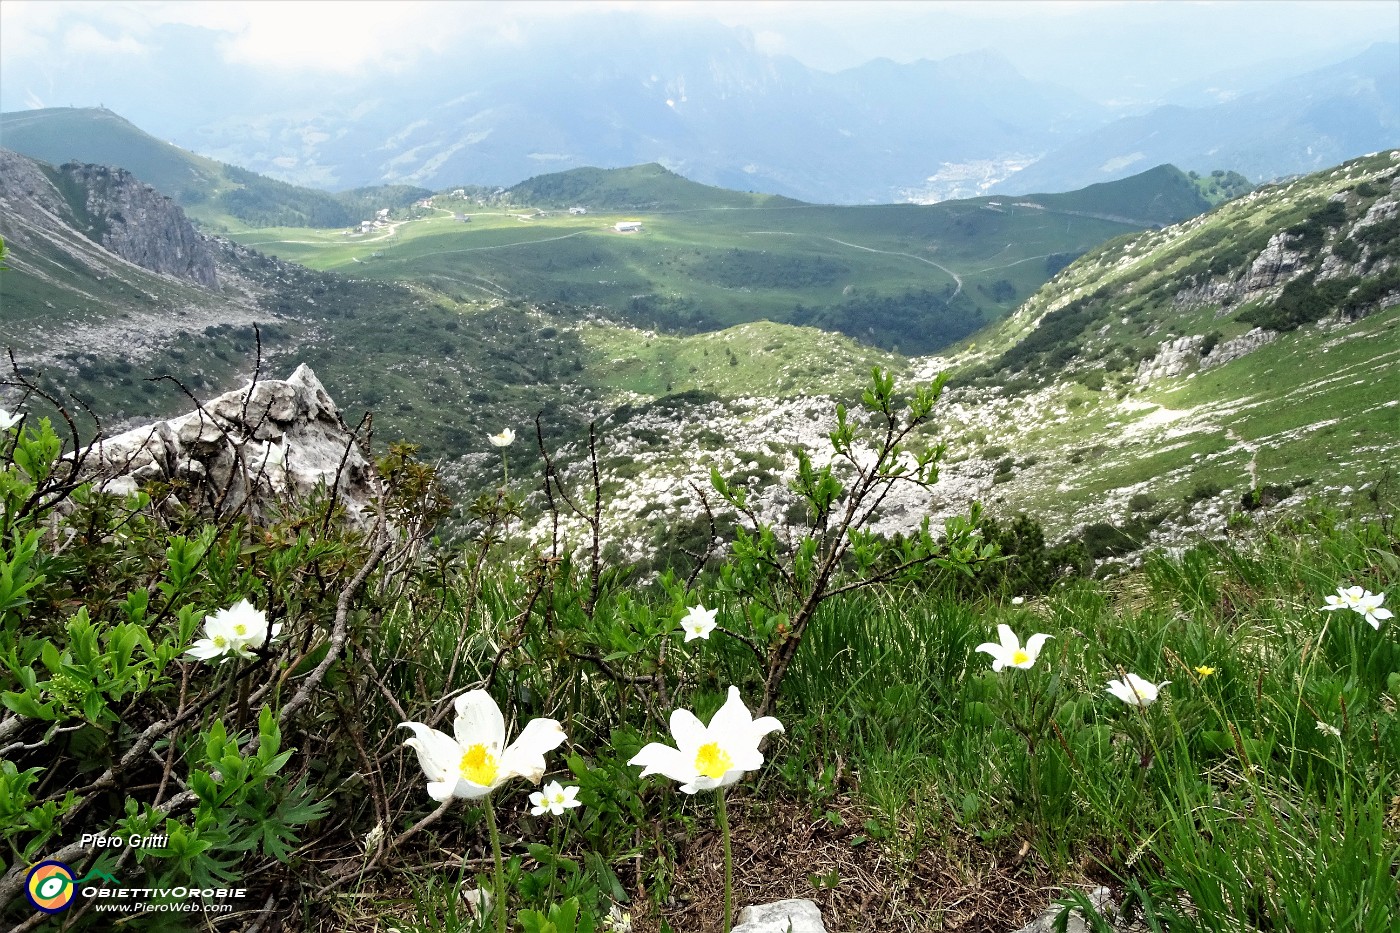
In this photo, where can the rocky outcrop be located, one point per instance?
(106, 206)
(1275, 265)
(1173, 358)
(140, 224)
(242, 450)
(1237, 347)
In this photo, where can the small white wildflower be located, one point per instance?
(699, 622)
(1331, 730)
(1135, 691)
(617, 920)
(554, 799)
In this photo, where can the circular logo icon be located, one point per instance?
(50, 887)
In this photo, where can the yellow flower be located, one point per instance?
(1205, 670)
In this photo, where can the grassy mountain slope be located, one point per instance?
(1253, 346)
(218, 196)
(648, 187)
(910, 277)
(1094, 407)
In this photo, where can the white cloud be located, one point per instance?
(84, 39)
(346, 36)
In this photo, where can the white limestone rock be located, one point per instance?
(1239, 346)
(1275, 265)
(240, 448)
(1103, 902)
(796, 915)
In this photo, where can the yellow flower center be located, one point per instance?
(712, 761)
(1019, 657)
(240, 630)
(478, 766)
(220, 641)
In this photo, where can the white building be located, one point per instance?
(628, 226)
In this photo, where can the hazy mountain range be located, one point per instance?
(708, 102)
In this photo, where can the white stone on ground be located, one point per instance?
(796, 915)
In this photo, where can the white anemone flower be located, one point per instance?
(1348, 597)
(707, 757)
(233, 632)
(1135, 691)
(554, 799)
(504, 439)
(1010, 653)
(699, 622)
(1371, 609)
(1362, 601)
(1017, 600)
(478, 760)
(8, 420)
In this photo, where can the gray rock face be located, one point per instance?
(242, 448)
(1173, 358)
(141, 225)
(797, 915)
(1237, 347)
(1275, 265)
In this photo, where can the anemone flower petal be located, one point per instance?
(525, 756)
(733, 720)
(1009, 642)
(688, 731)
(761, 727)
(479, 721)
(1035, 643)
(438, 754)
(656, 758)
(204, 649)
(442, 790)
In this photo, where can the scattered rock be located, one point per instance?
(1172, 359)
(796, 915)
(1275, 265)
(1237, 347)
(239, 449)
(478, 901)
(1103, 902)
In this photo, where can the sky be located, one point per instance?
(1109, 50)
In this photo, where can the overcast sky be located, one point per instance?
(1110, 51)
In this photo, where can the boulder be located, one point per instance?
(796, 915)
(241, 450)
